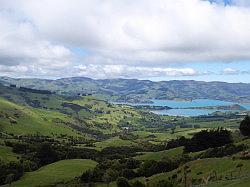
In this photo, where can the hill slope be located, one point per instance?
(29, 111)
(61, 171)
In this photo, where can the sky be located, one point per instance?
(206, 40)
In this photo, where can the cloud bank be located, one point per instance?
(130, 37)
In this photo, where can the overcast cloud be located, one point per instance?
(120, 38)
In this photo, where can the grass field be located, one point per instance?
(172, 153)
(165, 136)
(215, 124)
(206, 167)
(113, 142)
(240, 182)
(58, 172)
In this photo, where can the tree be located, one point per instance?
(122, 182)
(173, 129)
(46, 154)
(9, 179)
(110, 175)
(240, 165)
(208, 139)
(87, 176)
(245, 126)
(164, 183)
(138, 184)
(128, 173)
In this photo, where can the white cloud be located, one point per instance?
(230, 71)
(22, 48)
(124, 71)
(144, 33)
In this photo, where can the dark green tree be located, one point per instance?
(128, 173)
(245, 126)
(46, 154)
(87, 176)
(122, 182)
(165, 183)
(138, 184)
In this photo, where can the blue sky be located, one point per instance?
(217, 72)
(157, 40)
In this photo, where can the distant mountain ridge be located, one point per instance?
(133, 90)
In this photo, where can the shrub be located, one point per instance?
(122, 182)
(245, 126)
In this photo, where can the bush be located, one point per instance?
(128, 173)
(151, 167)
(10, 172)
(165, 183)
(222, 151)
(122, 182)
(138, 184)
(46, 154)
(245, 126)
(208, 139)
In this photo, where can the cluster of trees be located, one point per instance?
(151, 120)
(24, 89)
(208, 139)
(151, 167)
(178, 142)
(75, 107)
(202, 140)
(114, 170)
(123, 182)
(110, 170)
(245, 126)
(218, 152)
(10, 172)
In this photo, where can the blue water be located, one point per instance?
(188, 112)
(193, 103)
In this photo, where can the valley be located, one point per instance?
(51, 139)
(124, 93)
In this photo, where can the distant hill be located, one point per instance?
(229, 107)
(133, 90)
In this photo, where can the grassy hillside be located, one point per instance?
(113, 142)
(28, 112)
(172, 153)
(20, 120)
(58, 172)
(202, 169)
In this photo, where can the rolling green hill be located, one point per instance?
(133, 90)
(58, 172)
(45, 138)
(28, 111)
(202, 169)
